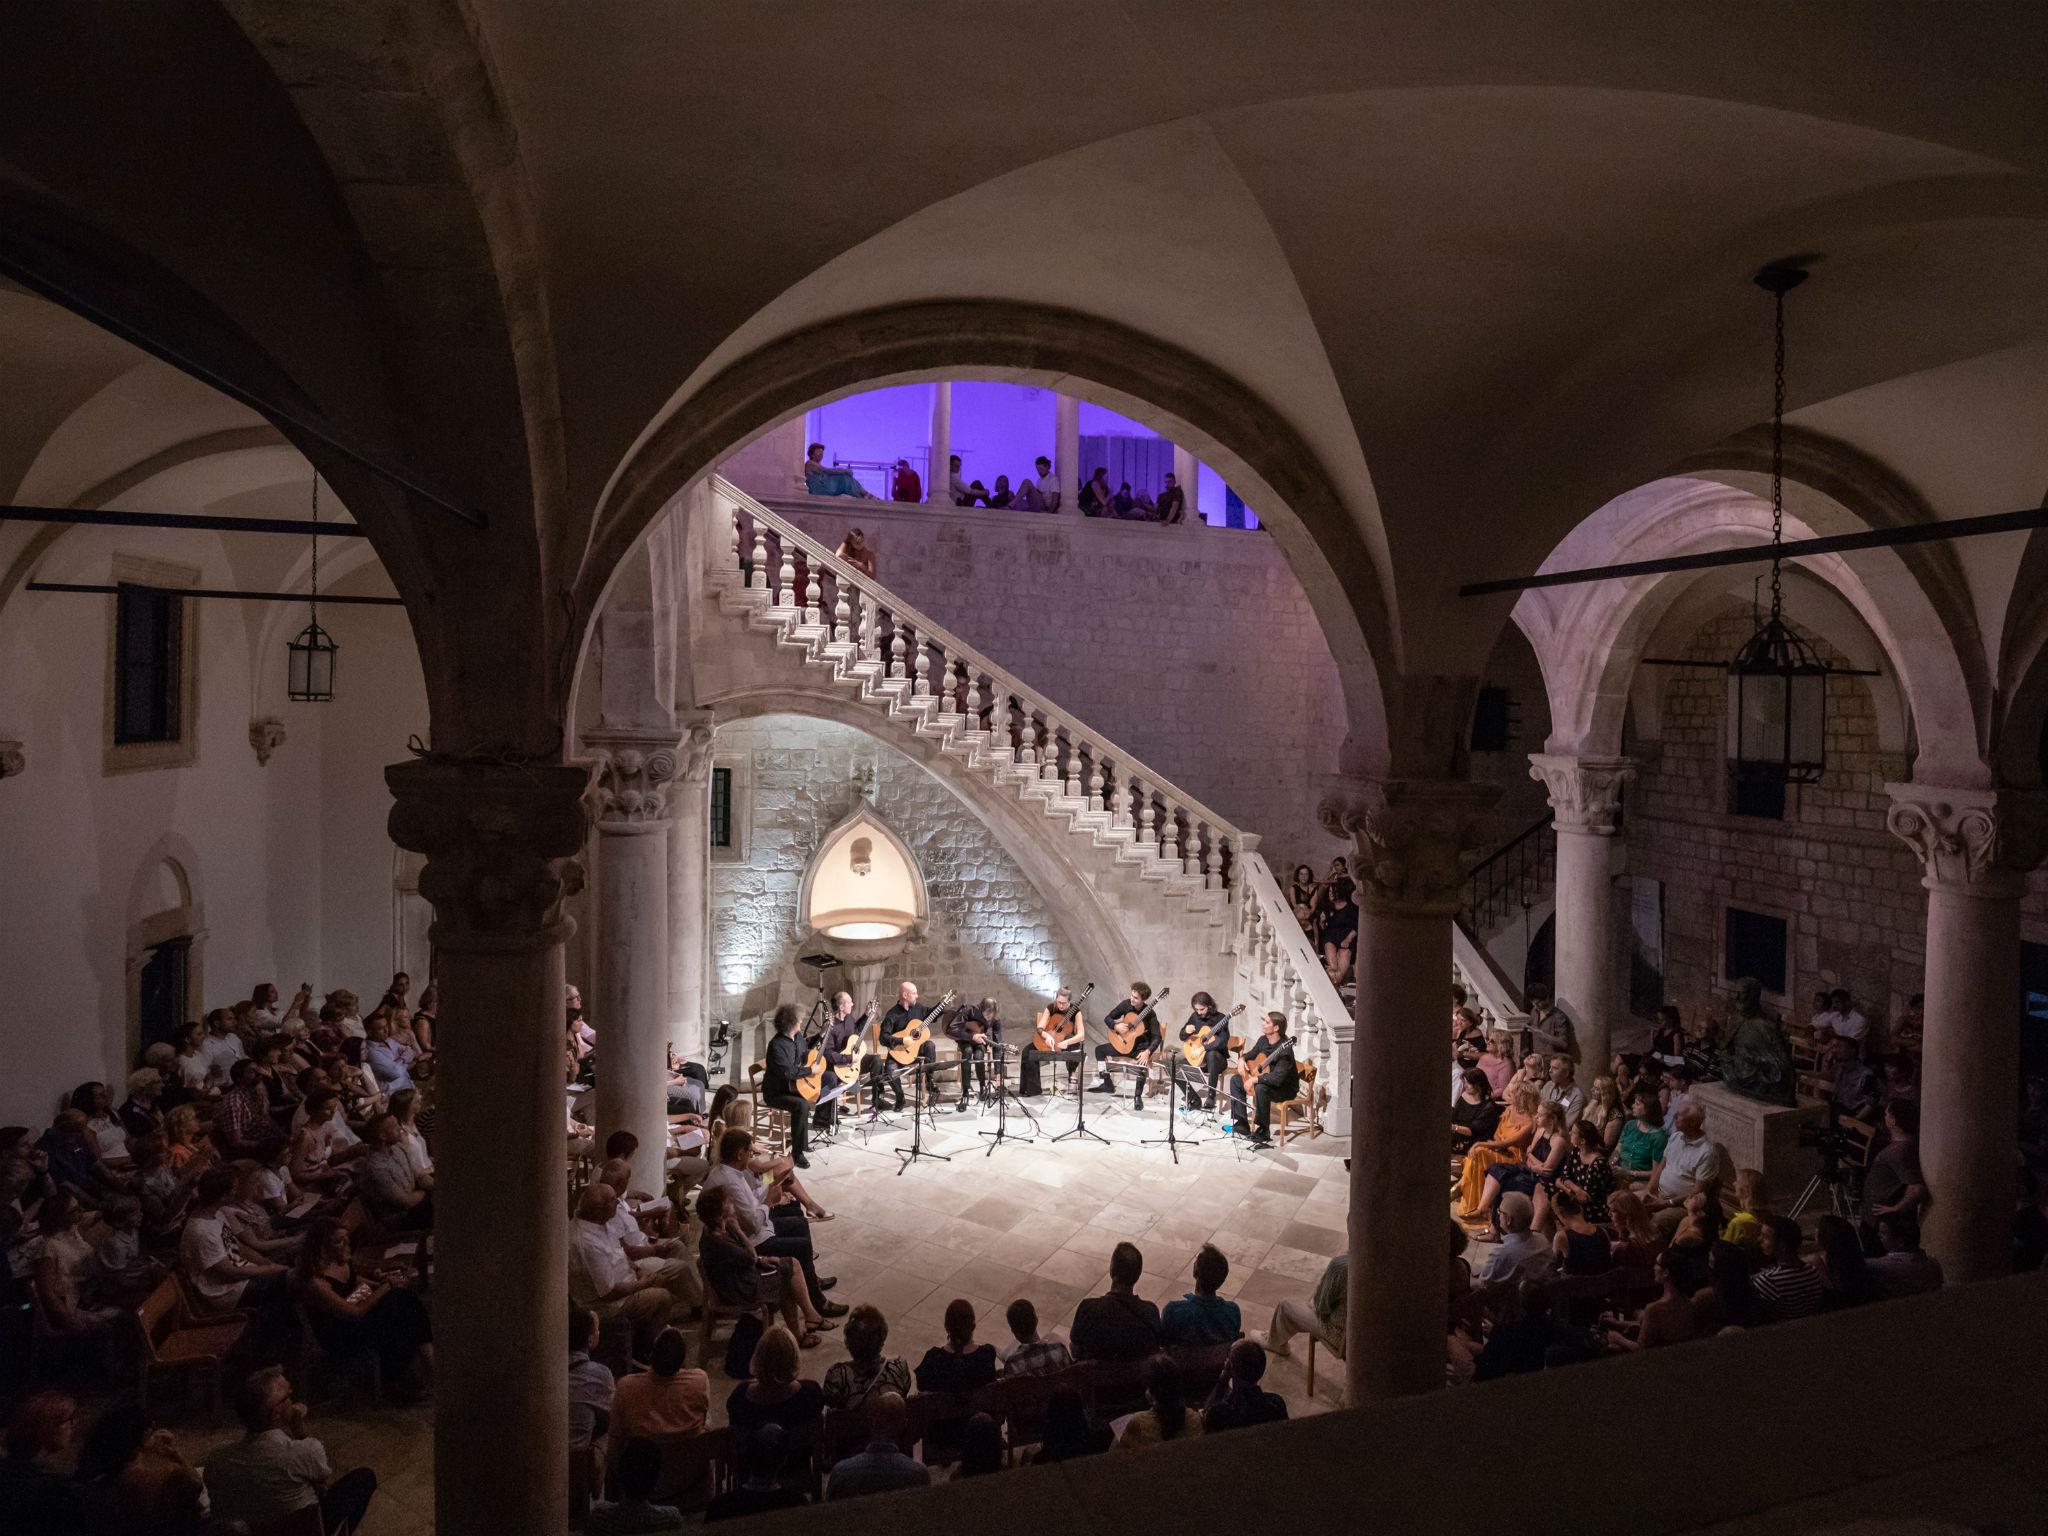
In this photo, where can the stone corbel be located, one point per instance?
(694, 753)
(1978, 841)
(12, 760)
(1585, 792)
(266, 736)
(1408, 836)
(634, 770)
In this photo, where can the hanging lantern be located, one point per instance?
(309, 660)
(1777, 686)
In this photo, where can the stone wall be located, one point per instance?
(1850, 890)
(1193, 647)
(794, 780)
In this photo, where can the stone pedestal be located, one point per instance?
(501, 842)
(1760, 1136)
(1406, 836)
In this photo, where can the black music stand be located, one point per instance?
(1171, 1140)
(907, 1155)
(1002, 1132)
(1080, 1057)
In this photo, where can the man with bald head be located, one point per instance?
(1690, 1162)
(837, 1047)
(603, 1279)
(664, 1263)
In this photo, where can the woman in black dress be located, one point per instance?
(1475, 1116)
(361, 1311)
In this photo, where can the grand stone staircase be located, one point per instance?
(1187, 893)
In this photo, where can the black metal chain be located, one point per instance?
(1778, 459)
(314, 605)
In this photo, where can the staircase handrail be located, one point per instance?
(928, 628)
(1499, 1001)
(1261, 893)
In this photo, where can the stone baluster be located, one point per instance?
(813, 592)
(1098, 787)
(735, 563)
(1208, 851)
(1144, 813)
(1054, 746)
(895, 672)
(840, 633)
(785, 575)
(921, 685)
(759, 578)
(1074, 781)
(1191, 850)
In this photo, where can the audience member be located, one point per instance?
(1168, 1417)
(1030, 1355)
(1173, 502)
(1672, 1318)
(591, 1386)
(634, 1512)
(1323, 1317)
(603, 1279)
(1563, 1090)
(764, 1461)
(278, 1469)
(959, 1364)
(1893, 1183)
(1068, 1432)
(981, 1447)
(1690, 1162)
(220, 1276)
(1902, 1269)
(1529, 1338)
(1119, 1325)
(775, 1394)
(1640, 1146)
(1786, 1286)
(355, 1312)
(1238, 1400)
(37, 1498)
(1579, 1246)
(1845, 1277)
(822, 481)
(736, 1274)
(1474, 1114)
(866, 1371)
(665, 1399)
(882, 1467)
(858, 551)
(1201, 1316)
(1521, 1256)
(135, 1478)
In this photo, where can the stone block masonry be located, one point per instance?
(988, 930)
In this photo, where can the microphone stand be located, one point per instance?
(1002, 1132)
(1080, 1099)
(1170, 1141)
(905, 1156)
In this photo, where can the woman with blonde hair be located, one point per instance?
(1637, 1240)
(183, 1140)
(776, 1395)
(1745, 1227)
(1509, 1144)
(1603, 1108)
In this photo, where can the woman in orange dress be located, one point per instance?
(1510, 1142)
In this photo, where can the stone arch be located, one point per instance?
(1590, 638)
(1094, 927)
(1133, 373)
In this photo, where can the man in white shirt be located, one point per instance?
(591, 1385)
(1521, 1255)
(1690, 1162)
(223, 1048)
(602, 1278)
(347, 1013)
(661, 1262)
(279, 1469)
(1565, 1093)
(389, 1061)
(782, 1232)
(220, 1274)
(1841, 1019)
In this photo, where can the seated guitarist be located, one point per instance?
(785, 1065)
(1137, 1006)
(1032, 1057)
(977, 1028)
(1216, 1057)
(1271, 1077)
(836, 1046)
(908, 1011)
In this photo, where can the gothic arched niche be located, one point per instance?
(864, 882)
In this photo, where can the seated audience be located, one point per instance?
(959, 1364)
(388, 1183)
(665, 1399)
(109, 1136)
(591, 1386)
(1509, 1143)
(1786, 1286)
(1902, 1269)
(1672, 1318)
(1238, 1400)
(135, 1478)
(981, 1445)
(1640, 1146)
(1202, 1316)
(603, 1279)
(773, 1230)
(1474, 1113)
(905, 484)
(1529, 1338)
(1845, 1278)
(858, 551)
(775, 1394)
(634, 1512)
(1497, 1063)
(36, 1494)
(1030, 1355)
(1097, 499)
(1068, 1431)
(737, 1275)
(658, 1259)
(364, 1311)
(1745, 1226)
(1323, 1317)
(1528, 1175)
(1603, 1109)
(142, 1111)
(821, 481)
(63, 1280)
(1579, 1247)
(279, 1469)
(1119, 1325)
(852, 1382)
(1690, 1162)
(1521, 1255)
(1587, 1174)
(1000, 496)
(1561, 1087)
(220, 1275)
(1637, 1239)
(764, 1461)
(1172, 506)
(881, 1467)
(1168, 1416)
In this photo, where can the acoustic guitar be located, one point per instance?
(1056, 1030)
(812, 1083)
(916, 1033)
(1127, 1031)
(1196, 1046)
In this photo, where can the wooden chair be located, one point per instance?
(173, 1340)
(1020, 1403)
(942, 1418)
(692, 1464)
(1201, 1367)
(714, 1313)
(1115, 1387)
(771, 1126)
(1860, 1140)
(1303, 1107)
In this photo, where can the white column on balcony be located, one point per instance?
(1184, 473)
(1066, 451)
(1976, 847)
(1406, 837)
(689, 886)
(938, 485)
(1585, 796)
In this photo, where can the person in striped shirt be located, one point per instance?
(1787, 1286)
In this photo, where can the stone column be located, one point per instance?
(938, 485)
(501, 842)
(1066, 451)
(1976, 847)
(1184, 475)
(1585, 794)
(1406, 836)
(633, 940)
(689, 890)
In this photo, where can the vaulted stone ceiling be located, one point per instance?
(1489, 261)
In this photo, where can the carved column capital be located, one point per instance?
(1585, 792)
(266, 736)
(501, 841)
(1979, 842)
(634, 770)
(1407, 836)
(12, 761)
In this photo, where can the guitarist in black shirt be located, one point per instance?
(906, 1012)
(784, 1066)
(1215, 1055)
(977, 1028)
(835, 1045)
(1270, 1076)
(1134, 1012)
